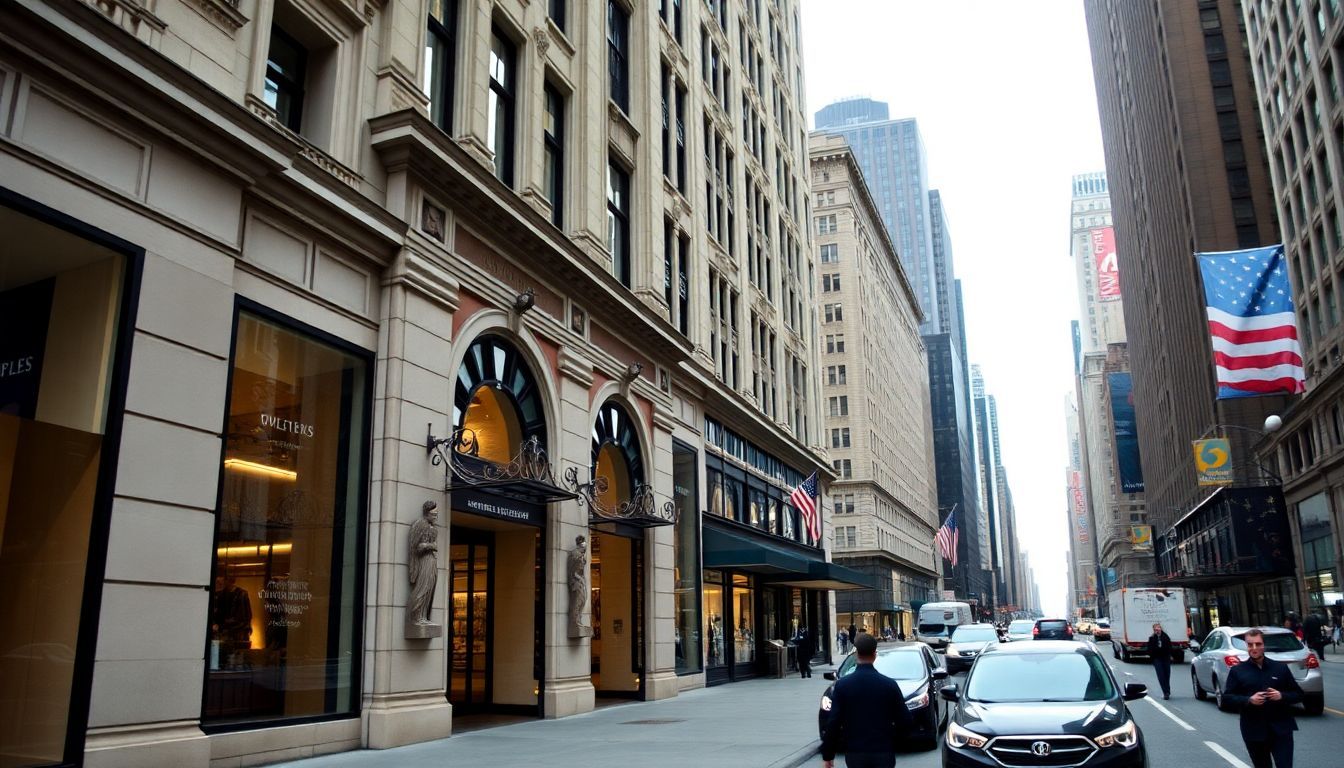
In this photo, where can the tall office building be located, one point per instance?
(1186, 173)
(1083, 598)
(895, 166)
(1095, 261)
(878, 423)
(1298, 53)
(367, 345)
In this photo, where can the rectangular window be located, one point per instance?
(618, 53)
(287, 560)
(440, 64)
(556, 10)
(618, 221)
(686, 555)
(501, 107)
(830, 254)
(553, 139)
(286, 70)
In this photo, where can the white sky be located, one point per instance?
(1004, 96)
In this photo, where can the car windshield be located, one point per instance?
(1021, 626)
(1064, 676)
(973, 635)
(1104, 623)
(898, 665)
(932, 629)
(1275, 642)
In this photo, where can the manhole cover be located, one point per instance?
(654, 721)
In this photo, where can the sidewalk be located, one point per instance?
(766, 723)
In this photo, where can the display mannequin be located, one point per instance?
(231, 620)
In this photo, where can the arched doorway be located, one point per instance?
(496, 595)
(617, 577)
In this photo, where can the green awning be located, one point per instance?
(725, 548)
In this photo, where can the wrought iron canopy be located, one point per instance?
(526, 477)
(641, 510)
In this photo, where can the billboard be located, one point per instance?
(1141, 538)
(1108, 267)
(1078, 506)
(1126, 430)
(1213, 461)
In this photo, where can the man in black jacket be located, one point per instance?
(804, 647)
(1265, 691)
(1159, 650)
(868, 714)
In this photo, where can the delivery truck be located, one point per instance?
(1135, 610)
(938, 620)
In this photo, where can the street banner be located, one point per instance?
(1126, 432)
(1213, 461)
(1108, 267)
(1141, 538)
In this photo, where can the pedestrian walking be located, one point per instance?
(1159, 650)
(1265, 692)
(1313, 633)
(804, 647)
(868, 716)
(843, 638)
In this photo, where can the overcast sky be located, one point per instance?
(1006, 106)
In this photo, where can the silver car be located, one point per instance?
(1020, 629)
(1225, 647)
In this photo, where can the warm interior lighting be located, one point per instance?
(256, 550)
(266, 470)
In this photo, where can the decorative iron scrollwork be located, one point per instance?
(640, 509)
(460, 453)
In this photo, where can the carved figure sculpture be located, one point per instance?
(424, 570)
(579, 625)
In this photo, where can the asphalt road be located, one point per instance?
(1185, 733)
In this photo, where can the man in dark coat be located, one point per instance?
(1159, 650)
(868, 715)
(1265, 691)
(804, 647)
(1312, 633)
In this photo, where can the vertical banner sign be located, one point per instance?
(1126, 432)
(1078, 506)
(1108, 267)
(1213, 461)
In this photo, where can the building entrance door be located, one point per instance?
(471, 621)
(617, 583)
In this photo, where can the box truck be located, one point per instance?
(1135, 610)
(937, 620)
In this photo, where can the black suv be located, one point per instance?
(1048, 703)
(1052, 629)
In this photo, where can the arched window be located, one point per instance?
(616, 455)
(497, 399)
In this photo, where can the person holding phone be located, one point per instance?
(1265, 692)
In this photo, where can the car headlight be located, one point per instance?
(825, 703)
(960, 738)
(920, 699)
(1124, 736)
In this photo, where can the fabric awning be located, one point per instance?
(725, 548)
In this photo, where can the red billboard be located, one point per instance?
(1108, 268)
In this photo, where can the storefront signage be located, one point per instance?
(285, 602)
(24, 314)
(275, 423)
(498, 507)
(1213, 460)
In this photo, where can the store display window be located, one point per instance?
(284, 608)
(686, 558)
(714, 620)
(744, 617)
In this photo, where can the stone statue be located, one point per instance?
(579, 625)
(423, 566)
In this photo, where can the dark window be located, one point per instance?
(553, 137)
(286, 65)
(556, 9)
(618, 221)
(618, 53)
(440, 61)
(501, 108)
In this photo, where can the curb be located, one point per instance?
(798, 756)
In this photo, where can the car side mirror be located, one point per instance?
(939, 674)
(949, 692)
(1135, 691)
(828, 676)
(1194, 646)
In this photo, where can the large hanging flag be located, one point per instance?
(804, 497)
(948, 536)
(1251, 320)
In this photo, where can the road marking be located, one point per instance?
(1333, 711)
(1168, 713)
(1228, 756)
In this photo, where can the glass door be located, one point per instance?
(471, 623)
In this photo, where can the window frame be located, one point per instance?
(445, 34)
(620, 263)
(507, 95)
(295, 89)
(553, 148)
(618, 54)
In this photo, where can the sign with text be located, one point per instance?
(1108, 267)
(1213, 461)
(498, 506)
(24, 315)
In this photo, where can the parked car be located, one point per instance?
(1047, 703)
(1052, 629)
(1225, 648)
(919, 672)
(1084, 626)
(1102, 630)
(967, 642)
(1020, 629)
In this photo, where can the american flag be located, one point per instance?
(1251, 320)
(948, 536)
(804, 497)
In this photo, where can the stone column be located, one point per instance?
(404, 696)
(660, 673)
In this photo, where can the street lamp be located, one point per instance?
(1273, 423)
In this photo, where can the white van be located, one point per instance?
(937, 620)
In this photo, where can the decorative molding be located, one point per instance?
(543, 40)
(478, 151)
(222, 13)
(418, 272)
(575, 366)
(663, 418)
(578, 320)
(328, 163)
(433, 220)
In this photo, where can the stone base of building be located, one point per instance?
(661, 685)
(288, 742)
(134, 746)
(573, 696)
(690, 682)
(394, 720)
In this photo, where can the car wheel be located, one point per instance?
(1223, 704)
(1314, 703)
(1115, 651)
(931, 742)
(1124, 654)
(1200, 693)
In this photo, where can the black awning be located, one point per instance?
(730, 549)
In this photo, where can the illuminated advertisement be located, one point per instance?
(1126, 432)
(1108, 267)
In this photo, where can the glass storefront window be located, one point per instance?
(714, 627)
(744, 616)
(686, 558)
(60, 302)
(283, 611)
(1318, 551)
